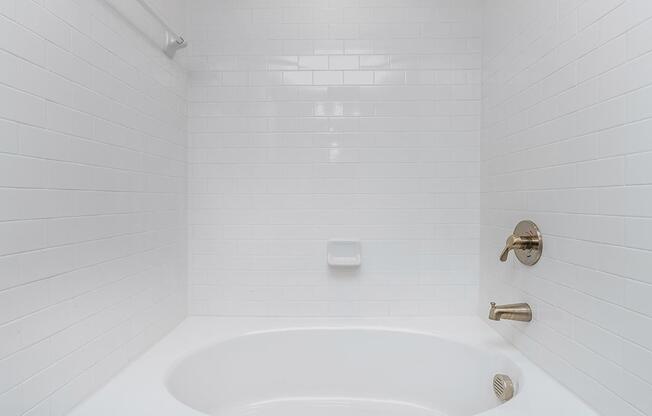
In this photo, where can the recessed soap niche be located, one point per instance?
(344, 253)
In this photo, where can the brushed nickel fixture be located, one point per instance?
(526, 242)
(503, 387)
(513, 312)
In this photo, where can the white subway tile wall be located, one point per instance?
(319, 119)
(92, 191)
(567, 100)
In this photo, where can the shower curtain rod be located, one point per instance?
(172, 43)
(162, 21)
(173, 40)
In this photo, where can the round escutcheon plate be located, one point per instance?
(529, 256)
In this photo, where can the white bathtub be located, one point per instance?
(277, 367)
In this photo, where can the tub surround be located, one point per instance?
(567, 93)
(422, 129)
(319, 120)
(92, 200)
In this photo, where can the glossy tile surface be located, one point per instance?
(566, 143)
(92, 200)
(317, 120)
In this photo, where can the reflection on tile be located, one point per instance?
(362, 125)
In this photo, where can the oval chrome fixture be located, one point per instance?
(503, 387)
(526, 242)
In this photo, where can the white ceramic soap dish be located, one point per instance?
(344, 253)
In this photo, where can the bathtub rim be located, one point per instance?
(147, 373)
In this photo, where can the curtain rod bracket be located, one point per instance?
(173, 44)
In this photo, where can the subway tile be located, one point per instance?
(637, 170)
(298, 77)
(343, 62)
(100, 202)
(358, 77)
(308, 124)
(637, 40)
(359, 141)
(21, 41)
(328, 77)
(313, 62)
(8, 137)
(637, 297)
(584, 85)
(19, 106)
(42, 22)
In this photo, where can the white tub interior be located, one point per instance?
(339, 372)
